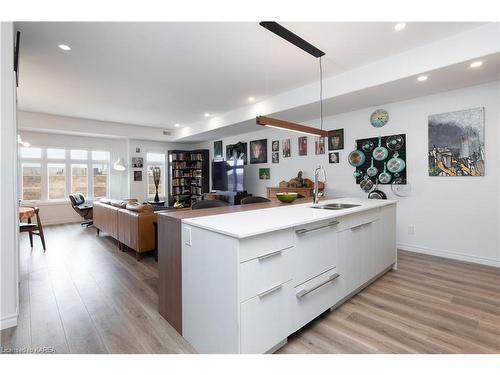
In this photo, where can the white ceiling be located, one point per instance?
(451, 77)
(158, 74)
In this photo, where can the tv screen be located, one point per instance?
(227, 175)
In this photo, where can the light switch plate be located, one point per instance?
(187, 236)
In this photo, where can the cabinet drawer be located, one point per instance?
(266, 319)
(353, 220)
(316, 250)
(264, 272)
(253, 247)
(314, 297)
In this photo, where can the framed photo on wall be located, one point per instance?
(218, 149)
(238, 150)
(276, 157)
(319, 146)
(302, 146)
(137, 162)
(137, 175)
(286, 148)
(258, 151)
(275, 146)
(336, 139)
(333, 158)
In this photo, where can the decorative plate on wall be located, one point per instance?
(379, 118)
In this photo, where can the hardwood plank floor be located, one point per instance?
(86, 296)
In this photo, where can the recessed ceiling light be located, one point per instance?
(251, 99)
(177, 125)
(400, 26)
(64, 47)
(207, 114)
(422, 78)
(476, 64)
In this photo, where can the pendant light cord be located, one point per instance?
(321, 93)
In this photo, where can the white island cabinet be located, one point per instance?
(250, 279)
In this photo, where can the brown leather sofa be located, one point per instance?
(130, 223)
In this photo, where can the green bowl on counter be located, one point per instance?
(287, 197)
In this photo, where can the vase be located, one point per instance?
(157, 198)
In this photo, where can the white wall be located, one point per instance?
(453, 217)
(9, 244)
(138, 189)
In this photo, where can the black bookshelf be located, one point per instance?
(188, 174)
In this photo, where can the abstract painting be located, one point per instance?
(456, 143)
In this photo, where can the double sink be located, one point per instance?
(335, 206)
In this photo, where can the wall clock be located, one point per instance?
(379, 118)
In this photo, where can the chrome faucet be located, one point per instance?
(316, 193)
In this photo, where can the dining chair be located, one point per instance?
(33, 229)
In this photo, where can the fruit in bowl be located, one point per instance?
(287, 197)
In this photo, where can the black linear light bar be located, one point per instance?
(296, 40)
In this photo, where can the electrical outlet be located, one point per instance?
(187, 236)
(411, 230)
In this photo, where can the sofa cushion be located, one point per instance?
(137, 207)
(105, 200)
(122, 203)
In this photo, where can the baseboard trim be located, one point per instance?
(60, 221)
(8, 322)
(451, 255)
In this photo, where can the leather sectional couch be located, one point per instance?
(130, 223)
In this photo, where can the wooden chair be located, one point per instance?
(33, 229)
(256, 199)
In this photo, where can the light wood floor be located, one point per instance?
(85, 296)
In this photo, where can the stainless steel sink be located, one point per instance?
(335, 206)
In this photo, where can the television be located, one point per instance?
(227, 175)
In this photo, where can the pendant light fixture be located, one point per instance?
(297, 41)
(119, 164)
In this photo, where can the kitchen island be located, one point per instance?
(251, 278)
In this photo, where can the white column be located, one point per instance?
(9, 255)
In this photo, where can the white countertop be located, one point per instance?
(251, 223)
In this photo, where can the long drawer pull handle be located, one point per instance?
(270, 255)
(305, 292)
(269, 291)
(362, 225)
(330, 224)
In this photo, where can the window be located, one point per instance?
(100, 155)
(31, 153)
(57, 181)
(100, 180)
(155, 160)
(56, 153)
(79, 179)
(79, 154)
(31, 181)
(53, 173)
